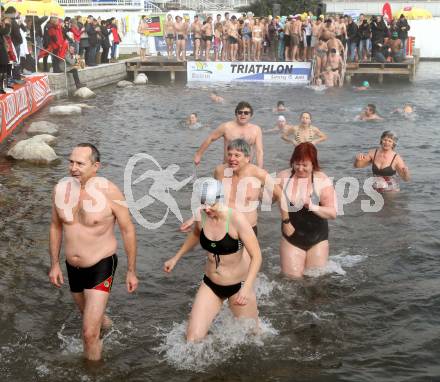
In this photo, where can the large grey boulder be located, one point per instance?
(124, 84)
(42, 127)
(141, 79)
(84, 93)
(65, 110)
(35, 149)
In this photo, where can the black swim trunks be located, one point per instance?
(233, 40)
(99, 276)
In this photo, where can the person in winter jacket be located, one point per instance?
(402, 30)
(379, 31)
(56, 45)
(353, 39)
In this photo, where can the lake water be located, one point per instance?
(372, 315)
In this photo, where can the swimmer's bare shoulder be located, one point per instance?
(112, 193)
(323, 178)
(284, 173)
(219, 171)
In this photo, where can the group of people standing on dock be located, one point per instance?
(287, 38)
(224, 222)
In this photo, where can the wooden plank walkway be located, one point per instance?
(406, 68)
(156, 64)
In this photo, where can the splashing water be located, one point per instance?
(72, 343)
(336, 264)
(226, 334)
(264, 289)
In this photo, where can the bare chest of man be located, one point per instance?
(244, 190)
(248, 136)
(88, 212)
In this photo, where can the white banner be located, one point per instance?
(271, 72)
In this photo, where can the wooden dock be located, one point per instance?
(406, 69)
(163, 64)
(156, 64)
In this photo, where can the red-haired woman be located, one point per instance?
(310, 201)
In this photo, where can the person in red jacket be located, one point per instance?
(76, 32)
(57, 44)
(116, 38)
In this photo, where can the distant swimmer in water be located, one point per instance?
(192, 122)
(365, 86)
(223, 233)
(310, 202)
(85, 209)
(385, 164)
(407, 111)
(369, 114)
(216, 98)
(280, 108)
(304, 132)
(280, 127)
(239, 128)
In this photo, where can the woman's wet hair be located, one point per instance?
(244, 105)
(305, 151)
(372, 107)
(240, 145)
(211, 191)
(95, 156)
(390, 134)
(306, 112)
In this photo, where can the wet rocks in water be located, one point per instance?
(84, 93)
(124, 84)
(65, 110)
(141, 79)
(42, 127)
(35, 149)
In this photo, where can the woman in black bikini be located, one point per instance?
(222, 232)
(311, 202)
(385, 163)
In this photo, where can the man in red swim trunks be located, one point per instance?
(85, 209)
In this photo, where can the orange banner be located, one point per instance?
(23, 102)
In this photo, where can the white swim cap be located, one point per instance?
(282, 118)
(211, 191)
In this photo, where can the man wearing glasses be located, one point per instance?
(239, 128)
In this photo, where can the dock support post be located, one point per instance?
(380, 78)
(172, 76)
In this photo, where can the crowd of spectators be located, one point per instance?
(71, 44)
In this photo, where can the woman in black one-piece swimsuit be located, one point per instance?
(311, 201)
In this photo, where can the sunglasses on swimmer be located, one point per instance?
(243, 112)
